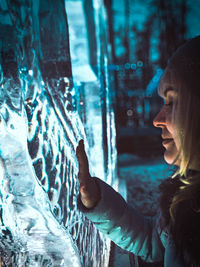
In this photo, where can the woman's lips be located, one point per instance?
(167, 141)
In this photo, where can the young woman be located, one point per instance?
(174, 234)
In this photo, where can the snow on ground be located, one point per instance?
(143, 177)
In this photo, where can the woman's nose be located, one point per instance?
(160, 119)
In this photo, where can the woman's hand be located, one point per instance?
(89, 190)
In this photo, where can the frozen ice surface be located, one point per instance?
(37, 236)
(40, 222)
(81, 68)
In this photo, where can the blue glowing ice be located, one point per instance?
(37, 237)
(41, 122)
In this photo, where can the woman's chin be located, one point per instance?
(168, 160)
(171, 158)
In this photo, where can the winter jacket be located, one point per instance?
(133, 232)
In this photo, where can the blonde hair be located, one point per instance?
(184, 70)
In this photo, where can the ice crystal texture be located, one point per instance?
(43, 115)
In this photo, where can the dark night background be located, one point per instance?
(143, 36)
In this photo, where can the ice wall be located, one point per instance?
(51, 96)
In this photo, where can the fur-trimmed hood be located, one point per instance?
(185, 230)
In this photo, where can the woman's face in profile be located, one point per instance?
(164, 119)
